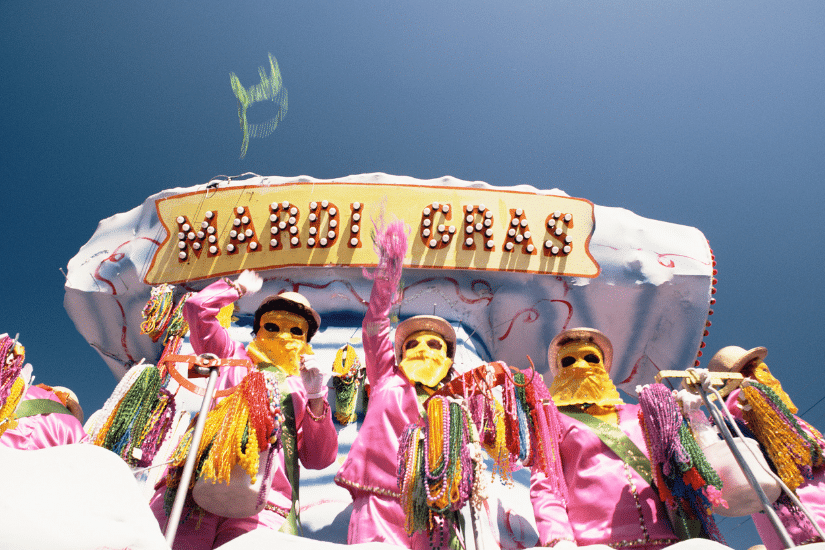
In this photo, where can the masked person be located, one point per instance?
(402, 374)
(751, 364)
(34, 417)
(609, 498)
(283, 326)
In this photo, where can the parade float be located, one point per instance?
(508, 267)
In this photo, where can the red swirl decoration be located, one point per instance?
(484, 295)
(532, 316)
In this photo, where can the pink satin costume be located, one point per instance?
(371, 468)
(43, 430)
(811, 493)
(317, 438)
(609, 502)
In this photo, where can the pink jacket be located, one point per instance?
(811, 493)
(43, 430)
(608, 503)
(372, 462)
(317, 440)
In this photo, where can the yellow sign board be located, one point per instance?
(219, 232)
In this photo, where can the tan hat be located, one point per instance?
(72, 402)
(734, 358)
(291, 302)
(580, 334)
(424, 322)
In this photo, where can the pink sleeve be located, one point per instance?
(317, 439)
(549, 509)
(205, 332)
(378, 347)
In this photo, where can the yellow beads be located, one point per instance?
(787, 449)
(498, 450)
(7, 420)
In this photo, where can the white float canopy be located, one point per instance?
(646, 284)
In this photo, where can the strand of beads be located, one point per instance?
(439, 464)
(12, 385)
(525, 423)
(548, 429)
(158, 427)
(7, 420)
(176, 461)
(478, 488)
(687, 482)
(93, 427)
(790, 448)
(273, 393)
(157, 311)
(237, 430)
(142, 410)
(224, 433)
(410, 467)
(177, 325)
(510, 418)
(498, 450)
(123, 414)
(436, 446)
(256, 394)
(11, 364)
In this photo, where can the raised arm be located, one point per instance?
(205, 331)
(391, 246)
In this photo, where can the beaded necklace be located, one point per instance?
(157, 311)
(93, 428)
(440, 459)
(7, 420)
(687, 483)
(245, 423)
(347, 379)
(140, 421)
(791, 449)
(438, 463)
(12, 385)
(12, 364)
(177, 326)
(547, 433)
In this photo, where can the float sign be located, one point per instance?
(218, 232)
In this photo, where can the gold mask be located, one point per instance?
(424, 358)
(582, 377)
(281, 340)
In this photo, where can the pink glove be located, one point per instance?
(315, 376)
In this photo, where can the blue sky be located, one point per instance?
(702, 113)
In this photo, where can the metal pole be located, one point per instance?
(763, 498)
(474, 527)
(189, 465)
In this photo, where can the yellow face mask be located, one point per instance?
(761, 374)
(424, 358)
(281, 340)
(582, 377)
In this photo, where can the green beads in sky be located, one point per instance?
(271, 88)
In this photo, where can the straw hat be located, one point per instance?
(72, 402)
(580, 334)
(424, 322)
(291, 302)
(734, 358)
